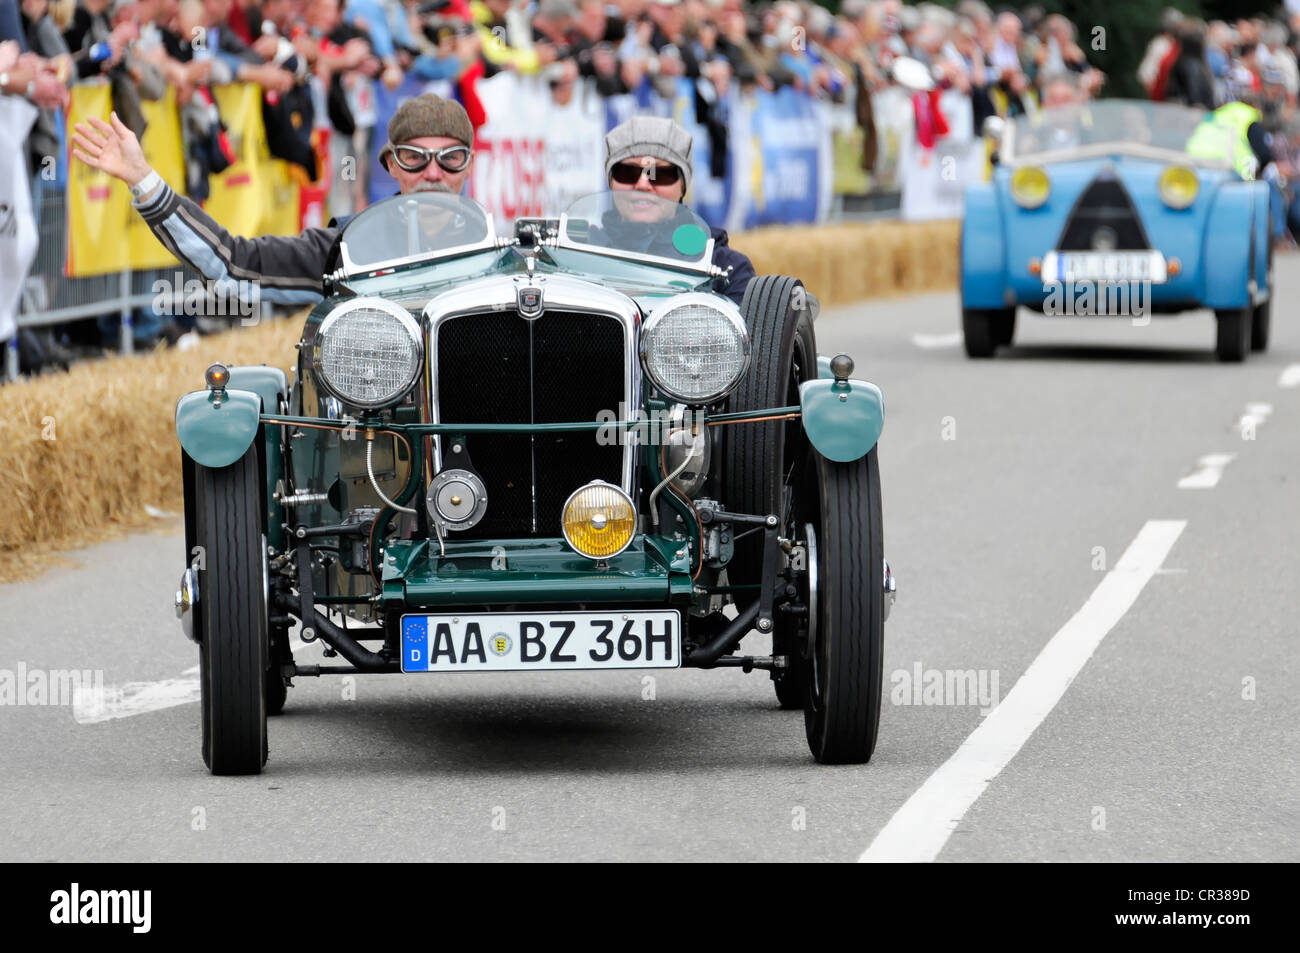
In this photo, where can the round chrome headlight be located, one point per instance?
(694, 347)
(368, 352)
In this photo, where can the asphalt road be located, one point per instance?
(1158, 724)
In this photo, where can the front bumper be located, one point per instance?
(653, 570)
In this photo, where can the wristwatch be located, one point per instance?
(146, 185)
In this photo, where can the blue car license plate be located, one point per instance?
(535, 641)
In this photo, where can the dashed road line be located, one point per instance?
(1290, 376)
(921, 827)
(932, 341)
(1209, 470)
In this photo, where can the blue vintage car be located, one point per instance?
(1103, 209)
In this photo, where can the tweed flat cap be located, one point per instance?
(427, 115)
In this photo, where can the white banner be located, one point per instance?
(533, 156)
(934, 181)
(18, 236)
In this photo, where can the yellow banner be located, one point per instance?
(98, 205)
(256, 196)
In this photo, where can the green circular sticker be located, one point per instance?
(690, 240)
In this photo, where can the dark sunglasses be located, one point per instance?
(416, 159)
(629, 173)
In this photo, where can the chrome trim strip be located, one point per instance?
(563, 293)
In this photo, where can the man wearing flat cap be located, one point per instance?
(429, 149)
(652, 154)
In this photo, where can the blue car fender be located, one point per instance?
(1230, 234)
(983, 250)
(843, 419)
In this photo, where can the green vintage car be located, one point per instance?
(558, 449)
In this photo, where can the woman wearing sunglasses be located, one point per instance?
(429, 149)
(648, 161)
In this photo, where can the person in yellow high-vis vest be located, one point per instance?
(1233, 131)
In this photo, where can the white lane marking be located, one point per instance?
(920, 828)
(1255, 415)
(931, 341)
(1290, 376)
(1208, 473)
(91, 706)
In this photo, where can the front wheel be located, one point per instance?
(845, 667)
(234, 654)
(1260, 319)
(1232, 342)
(983, 330)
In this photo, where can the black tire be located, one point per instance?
(1232, 342)
(978, 334)
(277, 689)
(1260, 319)
(234, 654)
(845, 671)
(1262, 314)
(757, 458)
(1004, 326)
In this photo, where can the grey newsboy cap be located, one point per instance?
(650, 136)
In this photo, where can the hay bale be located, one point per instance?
(86, 451)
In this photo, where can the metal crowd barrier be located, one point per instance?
(49, 297)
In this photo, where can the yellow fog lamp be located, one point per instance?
(599, 520)
(1178, 186)
(1030, 186)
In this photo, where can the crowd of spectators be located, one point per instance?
(1253, 60)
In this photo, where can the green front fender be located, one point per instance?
(843, 419)
(217, 434)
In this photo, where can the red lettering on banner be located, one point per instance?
(509, 177)
(98, 193)
(242, 179)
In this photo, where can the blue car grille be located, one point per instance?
(499, 368)
(1104, 218)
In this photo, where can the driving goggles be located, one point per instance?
(416, 158)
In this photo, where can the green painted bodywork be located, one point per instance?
(843, 419)
(824, 367)
(217, 434)
(535, 572)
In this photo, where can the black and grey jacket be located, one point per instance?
(286, 269)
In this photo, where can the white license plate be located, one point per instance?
(538, 641)
(1105, 266)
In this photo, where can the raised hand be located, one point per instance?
(111, 148)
